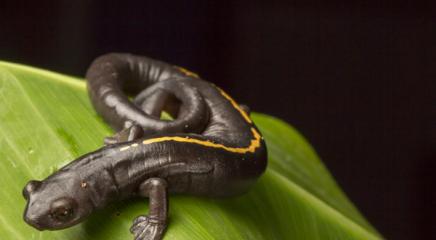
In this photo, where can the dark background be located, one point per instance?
(353, 78)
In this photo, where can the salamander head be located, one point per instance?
(57, 202)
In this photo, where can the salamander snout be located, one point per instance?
(57, 202)
(33, 221)
(30, 215)
(30, 187)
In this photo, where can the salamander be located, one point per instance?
(211, 147)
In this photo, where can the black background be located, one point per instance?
(355, 79)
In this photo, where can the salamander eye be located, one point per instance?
(62, 214)
(63, 209)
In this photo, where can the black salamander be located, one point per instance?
(210, 148)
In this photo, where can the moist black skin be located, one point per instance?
(211, 148)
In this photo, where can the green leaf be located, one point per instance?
(46, 120)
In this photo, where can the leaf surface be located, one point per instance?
(46, 120)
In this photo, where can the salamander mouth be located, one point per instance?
(49, 224)
(63, 225)
(29, 218)
(33, 223)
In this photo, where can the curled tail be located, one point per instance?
(166, 88)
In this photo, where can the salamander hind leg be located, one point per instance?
(152, 226)
(131, 132)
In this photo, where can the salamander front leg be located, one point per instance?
(130, 133)
(152, 226)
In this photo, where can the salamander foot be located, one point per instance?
(130, 133)
(147, 228)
